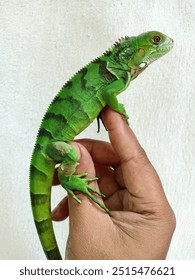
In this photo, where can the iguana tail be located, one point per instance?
(41, 176)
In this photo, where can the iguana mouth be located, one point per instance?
(167, 46)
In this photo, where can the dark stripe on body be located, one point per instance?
(37, 148)
(61, 123)
(45, 132)
(43, 226)
(104, 72)
(34, 171)
(39, 199)
(53, 254)
(84, 86)
(58, 117)
(59, 98)
(44, 229)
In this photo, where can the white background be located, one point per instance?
(42, 44)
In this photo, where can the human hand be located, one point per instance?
(142, 221)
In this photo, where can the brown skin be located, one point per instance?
(142, 222)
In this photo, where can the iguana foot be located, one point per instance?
(79, 183)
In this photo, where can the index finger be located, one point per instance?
(140, 177)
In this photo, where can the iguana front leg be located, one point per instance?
(112, 90)
(65, 154)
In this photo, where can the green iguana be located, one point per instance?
(77, 104)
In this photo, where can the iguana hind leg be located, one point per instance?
(67, 156)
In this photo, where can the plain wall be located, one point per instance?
(42, 44)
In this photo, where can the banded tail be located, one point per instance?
(41, 176)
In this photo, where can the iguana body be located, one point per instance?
(77, 104)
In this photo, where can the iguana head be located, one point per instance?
(147, 47)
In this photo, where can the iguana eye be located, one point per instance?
(156, 40)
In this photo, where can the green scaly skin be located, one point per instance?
(77, 104)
